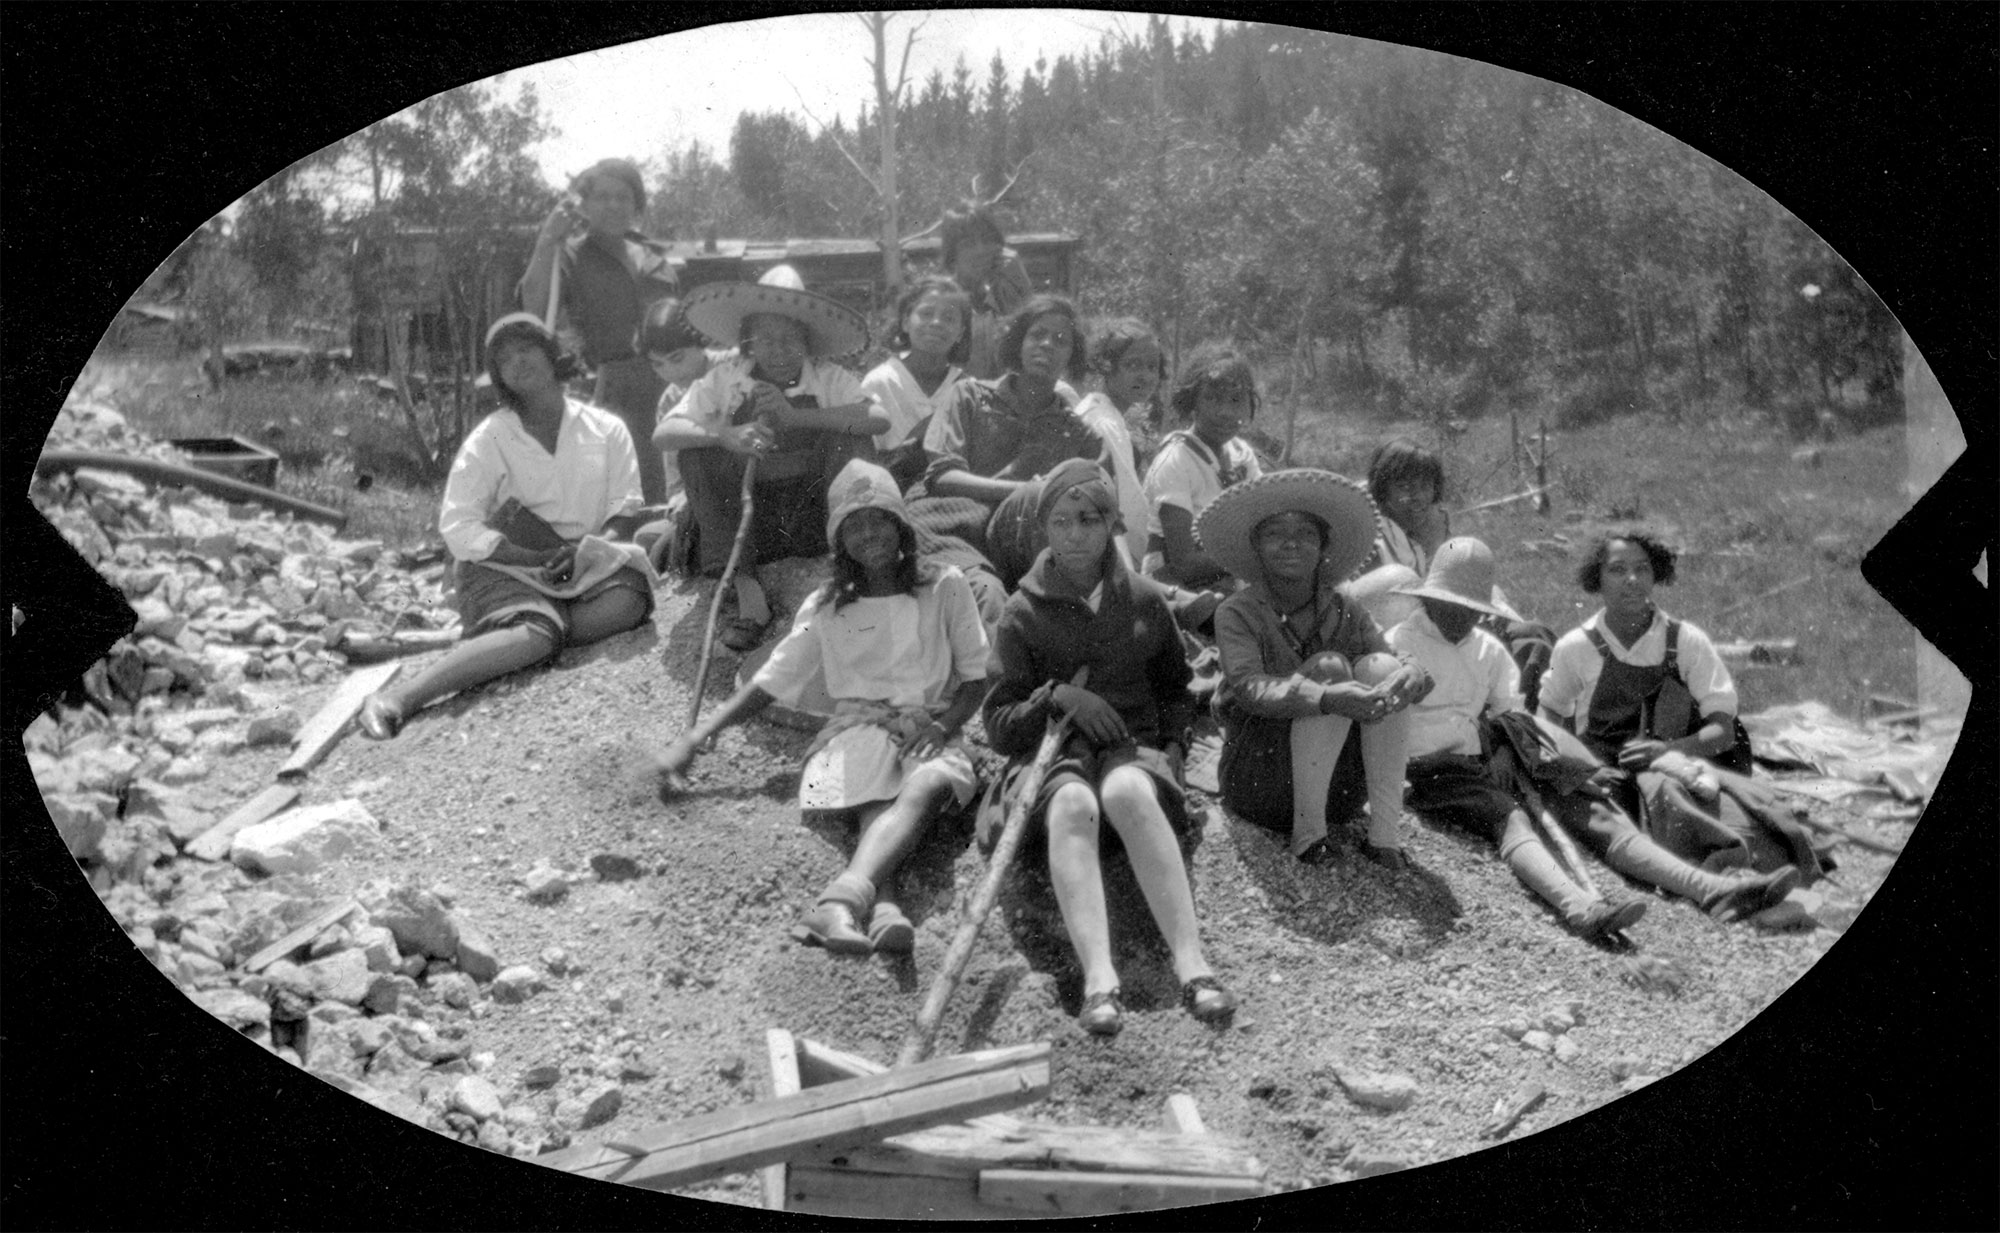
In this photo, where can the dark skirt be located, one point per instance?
(1256, 774)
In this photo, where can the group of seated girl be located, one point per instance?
(993, 558)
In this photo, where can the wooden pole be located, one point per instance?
(722, 587)
(1514, 435)
(1542, 471)
(917, 1042)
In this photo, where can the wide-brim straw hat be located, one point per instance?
(1462, 574)
(1225, 528)
(833, 329)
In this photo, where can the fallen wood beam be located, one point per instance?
(782, 1053)
(311, 928)
(821, 1064)
(1184, 1116)
(851, 1113)
(158, 471)
(878, 1196)
(1761, 650)
(213, 843)
(1526, 495)
(325, 728)
(1046, 1192)
(966, 1151)
(1838, 832)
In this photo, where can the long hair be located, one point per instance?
(848, 577)
(1041, 305)
(947, 286)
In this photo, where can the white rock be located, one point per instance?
(476, 1097)
(517, 984)
(302, 840)
(1380, 1091)
(1539, 1041)
(1566, 1050)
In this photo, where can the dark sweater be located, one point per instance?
(1130, 644)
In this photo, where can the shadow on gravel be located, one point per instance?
(617, 649)
(1349, 898)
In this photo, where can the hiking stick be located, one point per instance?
(1557, 838)
(917, 1042)
(1828, 828)
(722, 587)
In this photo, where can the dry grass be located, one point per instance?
(1729, 496)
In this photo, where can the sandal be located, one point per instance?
(1207, 1000)
(831, 924)
(1103, 1014)
(1318, 852)
(379, 719)
(889, 931)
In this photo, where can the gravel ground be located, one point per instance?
(1343, 970)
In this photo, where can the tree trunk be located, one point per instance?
(885, 108)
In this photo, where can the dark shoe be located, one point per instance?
(380, 719)
(1753, 895)
(1207, 1000)
(1103, 1014)
(889, 931)
(741, 635)
(1602, 919)
(1318, 852)
(831, 925)
(1392, 859)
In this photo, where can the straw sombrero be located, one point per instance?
(1462, 574)
(832, 328)
(1224, 528)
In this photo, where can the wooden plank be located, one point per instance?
(781, 1050)
(213, 843)
(298, 937)
(1045, 1192)
(1184, 1116)
(852, 1112)
(819, 1064)
(885, 1196)
(325, 728)
(965, 1151)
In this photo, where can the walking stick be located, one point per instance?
(917, 1042)
(1556, 837)
(722, 587)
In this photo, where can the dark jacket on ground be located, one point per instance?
(1130, 644)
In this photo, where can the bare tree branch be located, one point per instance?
(838, 144)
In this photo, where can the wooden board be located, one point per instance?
(966, 1151)
(818, 1064)
(781, 1050)
(213, 843)
(325, 728)
(1046, 1192)
(828, 1118)
(877, 1196)
(309, 929)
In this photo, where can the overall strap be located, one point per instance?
(1673, 660)
(1597, 640)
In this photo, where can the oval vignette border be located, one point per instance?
(126, 132)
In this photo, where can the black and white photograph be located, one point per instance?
(1238, 617)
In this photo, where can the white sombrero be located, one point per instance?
(1225, 527)
(832, 328)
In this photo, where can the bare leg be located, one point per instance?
(474, 662)
(1079, 884)
(888, 832)
(601, 616)
(1133, 809)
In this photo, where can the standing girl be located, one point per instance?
(904, 656)
(1080, 607)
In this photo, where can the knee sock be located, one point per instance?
(1639, 856)
(853, 890)
(1538, 870)
(1316, 742)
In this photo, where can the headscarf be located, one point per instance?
(1079, 475)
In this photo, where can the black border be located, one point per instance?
(1865, 1096)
